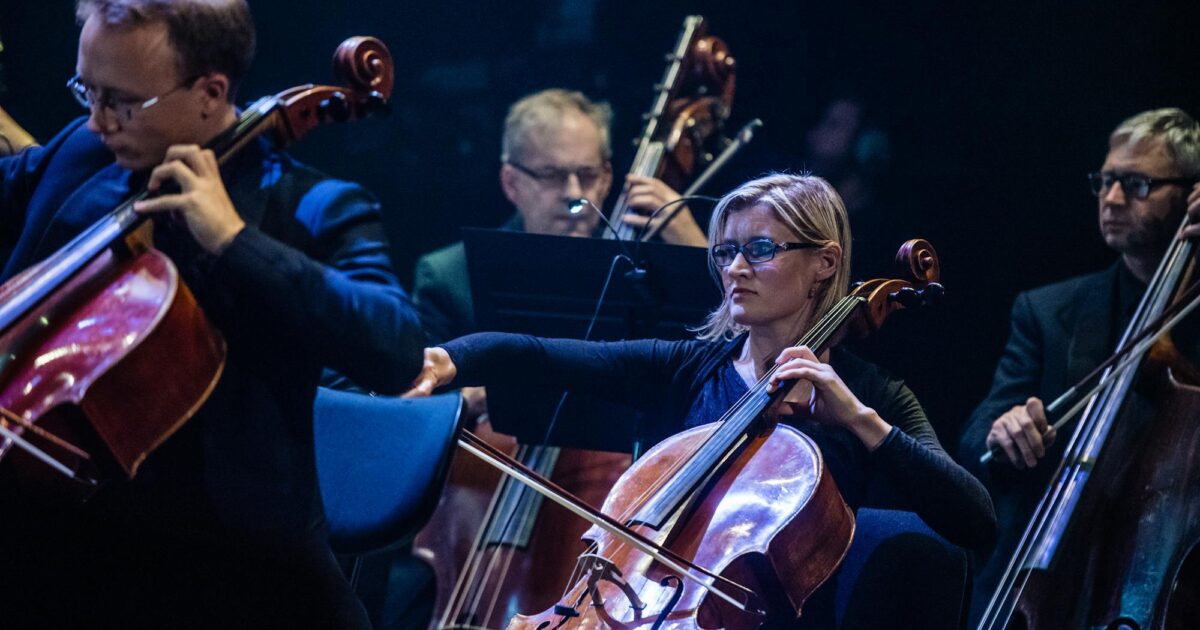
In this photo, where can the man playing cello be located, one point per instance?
(1062, 331)
(223, 526)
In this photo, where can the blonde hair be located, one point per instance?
(811, 209)
(544, 109)
(1178, 131)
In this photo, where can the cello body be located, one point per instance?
(497, 549)
(1130, 561)
(772, 520)
(117, 326)
(1152, 572)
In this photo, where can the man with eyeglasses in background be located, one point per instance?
(223, 526)
(555, 148)
(1062, 331)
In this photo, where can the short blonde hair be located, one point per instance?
(1178, 131)
(545, 109)
(810, 208)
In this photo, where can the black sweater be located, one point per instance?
(909, 470)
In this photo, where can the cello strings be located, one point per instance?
(1049, 510)
(816, 337)
(667, 557)
(735, 421)
(455, 608)
(495, 544)
(505, 551)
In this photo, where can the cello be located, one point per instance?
(726, 523)
(107, 313)
(1112, 543)
(491, 535)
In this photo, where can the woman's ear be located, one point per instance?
(829, 258)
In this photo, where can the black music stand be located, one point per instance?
(548, 286)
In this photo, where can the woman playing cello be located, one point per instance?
(780, 246)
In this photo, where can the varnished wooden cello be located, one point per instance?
(723, 523)
(490, 535)
(1113, 542)
(106, 315)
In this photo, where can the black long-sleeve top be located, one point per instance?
(908, 470)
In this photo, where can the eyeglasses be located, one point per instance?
(756, 251)
(1135, 185)
(556, 177)
(123, 107)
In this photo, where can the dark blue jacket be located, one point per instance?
(307, 285)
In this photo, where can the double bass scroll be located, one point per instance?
(683, 126)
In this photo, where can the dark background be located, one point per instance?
(995, 112)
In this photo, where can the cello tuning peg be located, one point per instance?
(908, 297)
(335, 107)
(932, 293)
(378, 104)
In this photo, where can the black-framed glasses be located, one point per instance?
(756, 251)
(124, 107)
(1135, 185)
(557, 177)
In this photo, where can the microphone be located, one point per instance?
(576, 205)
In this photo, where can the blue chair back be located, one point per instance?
(381, 464)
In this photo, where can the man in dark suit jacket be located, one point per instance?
(1062, 331)
(223, 525)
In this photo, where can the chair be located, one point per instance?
(381, 465)
(900, 574)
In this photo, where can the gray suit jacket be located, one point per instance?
(442, 290)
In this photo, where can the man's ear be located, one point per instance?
(508, 182)
(215, 86)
